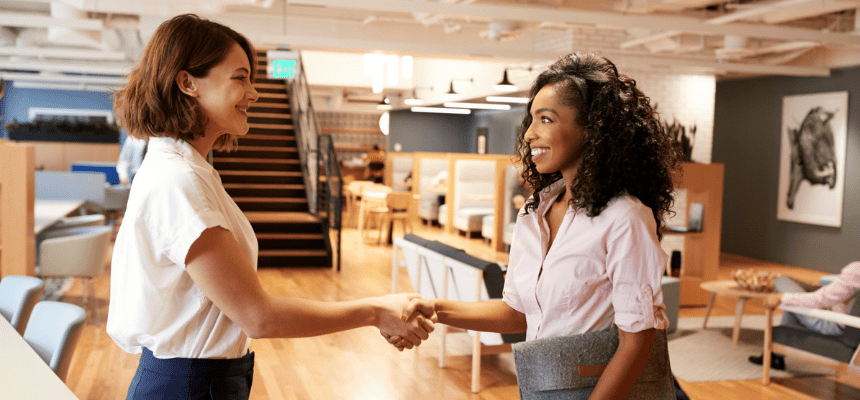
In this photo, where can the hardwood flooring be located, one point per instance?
(359, 365)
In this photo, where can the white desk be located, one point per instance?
(48, 212)
(23, 374)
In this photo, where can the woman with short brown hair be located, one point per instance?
(184, 289)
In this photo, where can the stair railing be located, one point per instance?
(324, 192)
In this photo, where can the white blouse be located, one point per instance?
(599, 271)
(176, 195)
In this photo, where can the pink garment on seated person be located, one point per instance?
(834, 295)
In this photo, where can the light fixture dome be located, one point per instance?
(505, 85)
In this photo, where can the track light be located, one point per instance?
(505, 85)
(384, 104)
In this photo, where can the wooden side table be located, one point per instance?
(732, 288)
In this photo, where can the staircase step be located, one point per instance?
(284, 127)
(273, 132)
(275, 204)
(258, 85)
(267, 140)
(262, 79)
(281, 217)
(273, 96)
(276, 177)
(270, 119)
(239, 190)
(293, 258)
(255, 164)
(279, 108)
(267, 152)
(290, 241)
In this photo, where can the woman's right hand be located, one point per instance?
(773, 300)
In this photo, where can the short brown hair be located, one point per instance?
(151, 104)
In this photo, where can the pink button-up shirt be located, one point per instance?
(836, 295)
(598, 271)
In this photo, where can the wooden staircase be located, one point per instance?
(264, 177)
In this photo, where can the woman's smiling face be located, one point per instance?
(226, 92)
(555, 137)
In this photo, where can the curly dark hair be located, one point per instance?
(627, 148)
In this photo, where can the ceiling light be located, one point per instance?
(440, 110)
(503, 99)
(384, 104)
(505, 85)
(478, 106)
(451, 91)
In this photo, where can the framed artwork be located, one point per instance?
(812, 158)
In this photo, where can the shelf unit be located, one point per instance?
(700, 259)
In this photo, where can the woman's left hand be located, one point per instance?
(404, 333)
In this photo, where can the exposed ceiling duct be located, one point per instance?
(74, 37)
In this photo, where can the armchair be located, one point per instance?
(840, 353)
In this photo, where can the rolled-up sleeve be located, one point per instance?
(635, 265)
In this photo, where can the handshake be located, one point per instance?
(405, 320)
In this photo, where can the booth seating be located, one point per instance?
(474, 180)
(400, 167)
(429, 169)
(488, 232)
(438, 270)
(510, 213)
(88, 186)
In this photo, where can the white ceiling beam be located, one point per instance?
(787, 10)
(754, 12)
(100, 80)
(24, 20)
(62, 53)
(648, 39)
(809, 10)
(65, 67)
(332, 43)
(669, 5)
(587, 17)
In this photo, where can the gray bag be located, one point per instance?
(569, 367)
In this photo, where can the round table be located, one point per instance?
(731, 288)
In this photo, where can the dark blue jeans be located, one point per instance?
(192, 378)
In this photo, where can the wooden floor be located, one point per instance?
(359, 365)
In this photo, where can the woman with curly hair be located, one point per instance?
(584, 280)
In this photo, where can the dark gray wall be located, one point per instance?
(444, 133)
(451, 133)
(747, 128)
(502, 127)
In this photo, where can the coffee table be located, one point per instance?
(731, 288)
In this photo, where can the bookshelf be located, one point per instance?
(700, 259)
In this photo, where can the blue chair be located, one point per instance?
(18, 295)
(53, 332)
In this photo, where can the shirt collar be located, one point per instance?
(181, 148)
(549, 193)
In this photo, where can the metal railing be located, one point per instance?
(320, 170)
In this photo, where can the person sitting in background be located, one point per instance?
(130, 157)
(376, 163)
(839, 296)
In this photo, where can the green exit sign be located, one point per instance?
(284, 69)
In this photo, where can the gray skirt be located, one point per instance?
(569, 367)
